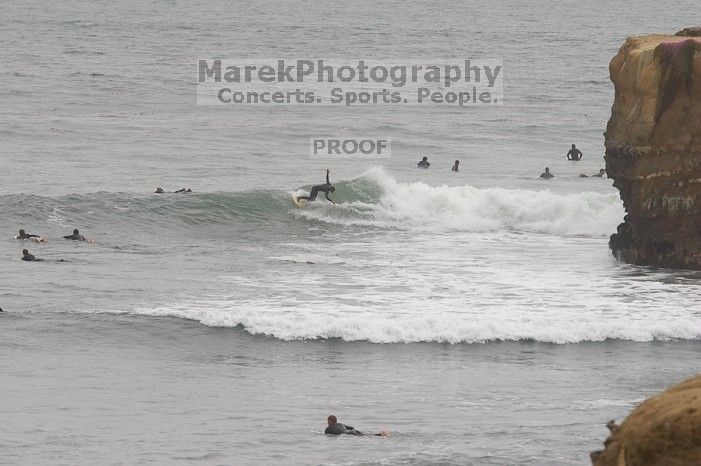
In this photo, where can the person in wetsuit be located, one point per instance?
(76, 236)
(455, 166)
(323, 188)
(574, 154)
(336, 428)
(23, 235)
(29, 257)
(423, 163)
(160, 190)
(547, 175)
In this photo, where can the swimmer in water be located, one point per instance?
(455, 166)
(423, 163)
(159, 190)
(574, 154)
(336, 428)
(29, 257)
(323, 188)
(76, 236)
(546, 175)
(23, 235)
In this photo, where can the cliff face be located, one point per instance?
(653, 149)
(663, 430)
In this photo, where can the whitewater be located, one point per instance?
(394, 262)
(421, 207)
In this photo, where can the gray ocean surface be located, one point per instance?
(478, 316)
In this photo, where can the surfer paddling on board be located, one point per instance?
(336, 428)
(76, 236)
(324, 188)
(25, 235)
(30, 257)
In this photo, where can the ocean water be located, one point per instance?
(478, 316)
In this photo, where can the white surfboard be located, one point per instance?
(298, 202)
(35, 239)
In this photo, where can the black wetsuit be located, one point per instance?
(338, 429)
(423, 164)
(546, 175)
(31, 258)
(75, 237)
(574, 154)
(324, 188)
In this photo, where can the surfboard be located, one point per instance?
(298, 202)
(35, 239)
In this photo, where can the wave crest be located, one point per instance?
(378, 200)
(437, 327)
(374, 200)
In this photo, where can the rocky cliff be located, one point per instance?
(653, 149)
(663, 430)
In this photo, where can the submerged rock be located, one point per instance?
(653, 149)
(663, 430)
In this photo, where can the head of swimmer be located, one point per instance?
(76, 232)
(25, 252)
(332, 189)
(331, 420)
(21, 233)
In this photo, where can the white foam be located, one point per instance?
(465, 208)
(412, 324)
(467, 286)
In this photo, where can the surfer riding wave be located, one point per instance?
(323, 188)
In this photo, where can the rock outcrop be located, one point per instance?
(653, 149)
(663, 430)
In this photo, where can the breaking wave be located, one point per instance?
(373, 200)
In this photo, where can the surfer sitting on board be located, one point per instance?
(574, 154)
(546, 174)
(324, 188)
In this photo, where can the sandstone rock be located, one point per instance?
(653, 149)
(663, 430)
(690, 32)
